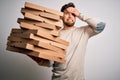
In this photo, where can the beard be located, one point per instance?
(68, 23)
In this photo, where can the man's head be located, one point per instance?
(69, 17)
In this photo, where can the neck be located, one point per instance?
(68, 27)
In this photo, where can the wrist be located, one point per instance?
(83, 17)
(80, 17)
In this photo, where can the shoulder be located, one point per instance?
(80, 28)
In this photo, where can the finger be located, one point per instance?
(70, 9)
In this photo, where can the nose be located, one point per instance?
(70, 15)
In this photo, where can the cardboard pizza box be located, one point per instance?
(39, 52)
(34, 48)
(45, 35)
(38, 38)
(37, 43)
(34, 27)
(41, 8)
(40, 61)
(41, 19)
(42, 14)
(38, 23)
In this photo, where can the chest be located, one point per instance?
(72, 36)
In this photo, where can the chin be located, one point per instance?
(68, 23)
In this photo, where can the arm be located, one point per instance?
(94, 26)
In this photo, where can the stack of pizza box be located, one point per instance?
(39, 35)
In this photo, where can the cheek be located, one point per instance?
(74, 19)
(65, 18)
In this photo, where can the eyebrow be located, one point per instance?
(67, 11)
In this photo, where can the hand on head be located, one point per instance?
(73, 10)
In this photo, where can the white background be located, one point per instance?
(102, 61)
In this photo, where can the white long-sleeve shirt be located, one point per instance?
(78, 38)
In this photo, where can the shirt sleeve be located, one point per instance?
(94, 26)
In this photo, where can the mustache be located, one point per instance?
(68, 24)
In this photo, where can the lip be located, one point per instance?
(70, 20)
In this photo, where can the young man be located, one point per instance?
(78, 38)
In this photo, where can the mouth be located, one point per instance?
(69, 20)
